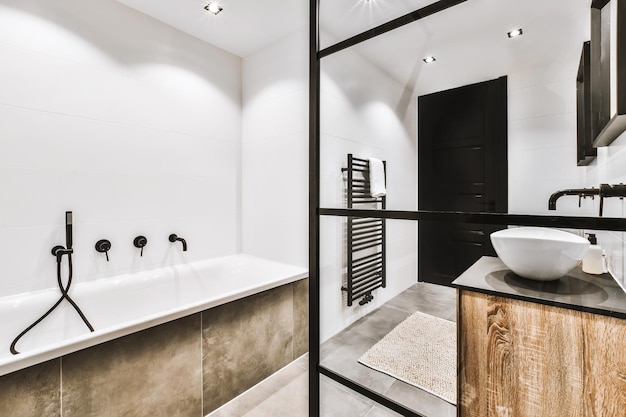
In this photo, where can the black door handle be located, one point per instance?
(491, 205)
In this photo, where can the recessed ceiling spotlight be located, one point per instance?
(515, 33)
(429, 59)
(213, 8)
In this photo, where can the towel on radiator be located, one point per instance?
(377, 178)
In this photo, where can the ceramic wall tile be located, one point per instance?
(244, 342)
(34, 391)
(274, 178)
(140, 127)
(300, 318)
(154, 372)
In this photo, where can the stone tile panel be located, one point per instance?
(244, 342)
(152, 373)
(34, 391)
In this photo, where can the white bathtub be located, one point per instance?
(129, 303)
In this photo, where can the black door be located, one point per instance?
(462, 155)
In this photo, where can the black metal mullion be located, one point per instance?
(314, 205)
(391, 25)
(616, 224)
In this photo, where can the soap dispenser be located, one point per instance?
(593, 262)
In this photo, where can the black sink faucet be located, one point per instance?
(175, 238)
(604, 191)
(580, 192)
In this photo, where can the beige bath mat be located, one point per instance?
(420, 351)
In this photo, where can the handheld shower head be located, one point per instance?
(68, 230)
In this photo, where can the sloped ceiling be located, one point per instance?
(466, 39)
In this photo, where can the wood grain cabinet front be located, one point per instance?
(523, 359)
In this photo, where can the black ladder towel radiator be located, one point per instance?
(366, 259)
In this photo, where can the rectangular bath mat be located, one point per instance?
(420, 351)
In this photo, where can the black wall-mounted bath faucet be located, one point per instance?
(175, 238)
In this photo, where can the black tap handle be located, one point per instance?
(103, 246)
(601, 206)
(140, 242)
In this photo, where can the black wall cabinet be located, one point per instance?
(585, 150)
(608, 71)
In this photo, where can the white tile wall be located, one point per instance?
(131, 124)
(275, 151)
(365, 112)
(542, 138)
(610, 168)
(542, 153)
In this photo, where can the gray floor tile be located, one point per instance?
(435, 289)
(292, 400)
(452, 317)
(379, 322)
(347, 338)
(344, 362)
(421, 401)
(270, 388)
(439, 310)
(337, 401)
(378, 411)
(423, 297)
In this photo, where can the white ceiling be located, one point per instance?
(243, 27)
(464, 38)
(470, 42)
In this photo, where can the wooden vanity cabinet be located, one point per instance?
(524, 359)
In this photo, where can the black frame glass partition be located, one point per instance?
(316, 211)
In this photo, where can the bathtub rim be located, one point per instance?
(40, 355)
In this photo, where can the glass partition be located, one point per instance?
(374, 102)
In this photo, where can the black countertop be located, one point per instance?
(599, 294)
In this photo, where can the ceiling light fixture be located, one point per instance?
(429, 59)
(213, 8)
(515, 33)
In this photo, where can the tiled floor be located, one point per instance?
(286, 392)
(340, 353)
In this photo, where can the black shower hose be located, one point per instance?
(64, 295)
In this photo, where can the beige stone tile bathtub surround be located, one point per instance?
(243, 344)
(32, 391)
(151, 373)
(178, 369)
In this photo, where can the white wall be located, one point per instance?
(610, 168)
(542, 139)
(132, 125)
(542, 153)
(275, 174)
(367, 113)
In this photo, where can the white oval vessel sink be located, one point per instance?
(539, 253)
